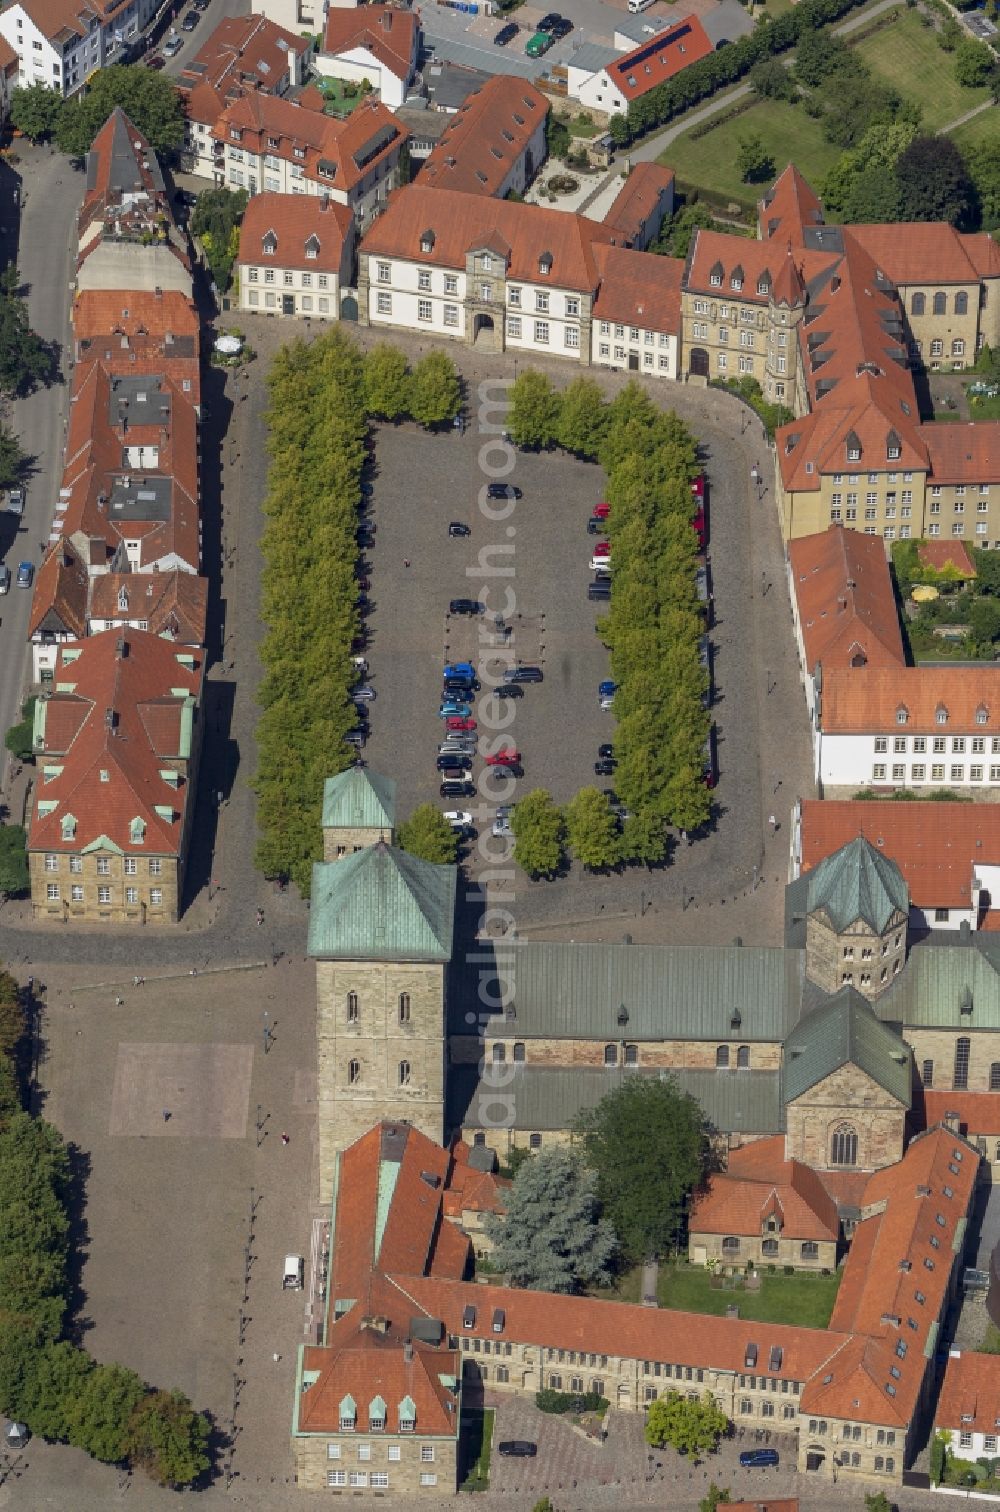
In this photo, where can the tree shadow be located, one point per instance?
(77, 1324)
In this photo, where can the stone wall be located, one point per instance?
(705, 1247)
(340, 842)
(836, 960)
(848, 1097)
(321, 1459)
(938, 1046)
(679, 1054)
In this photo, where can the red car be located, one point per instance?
(602, 549)
(602, 510)
(505, 757)
(459, 722)
(698, 486)
(698, 521)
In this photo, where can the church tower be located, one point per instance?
(380, 932)
(857, 906)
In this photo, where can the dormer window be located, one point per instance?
(270, 244)
(487, 263)
(736, 278)
(893, 447)
(853, 447)
(902, 714)
(137, 831)
(68, 827)
(941, 714)
(715, 275)
(376, 1415)
(123, 600)
(348, 1414)
(235, 133)
(427, 241)
(982, 715)
(764, 285)
(545, 264)
(299, 152)
(407, 1415)
(312, 247)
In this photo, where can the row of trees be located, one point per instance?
(47, 1381)
(616, 1196)
(706, 77)
(149, 99)
(321, 394)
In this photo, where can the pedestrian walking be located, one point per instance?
(119, 1002)
(135, 981)
(284, 1139)
(260, 917)
(166, 1115)
(773, 823)
(277, 1357)
(406, 561)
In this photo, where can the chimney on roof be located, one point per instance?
(110, 719)
(953, 1122)
(376, 1324)
(121, 649)
(158, 292)
(408, 1352)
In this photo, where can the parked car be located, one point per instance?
(602, 510)
(292, 1271)
(506, 756)
(156, 60)
(452, 707)
(501, 829)
(600, 563)
(457, 787)
(4, 578)
(452, 761)
(548, 21)
(190, 21)
(519, 1448)
(25, 574)
(595, 526)
(458, 818)
(607, 689)
(457, 746)
(538, 45)
(456, 528)
(607, 703)
(466, 606)
(459, 669)
(757, 1457)
(599, 589)
(698, 521)
(604, 767)
(172, 46)
(506, 34)
(15, 501)
(602, 549)
(366, 533)
(459, 722)
(508, 690)
(562, 28)
(606, 750)
(525, 675)
(698, 486)
(463, 686)
(365, 692)
(503, 491)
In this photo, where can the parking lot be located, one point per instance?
(532, 568)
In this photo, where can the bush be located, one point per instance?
(559, 1402)
(19, 739)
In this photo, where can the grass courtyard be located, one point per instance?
(800, 1298)
(709, 161)
(974, 133)
(907, 57)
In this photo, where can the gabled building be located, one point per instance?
(968, 1408)
(612, 88)
(127, 235)
(117, 742)
(379, 44)
(70, 603)
(140, 331)
(279, 146)
(60, 43)
(494, 143)
(244, 55)
(642, 204)
(296, 255)
(359, 809)
(764, 1210)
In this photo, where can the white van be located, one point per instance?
(291, 1279)
(635, 6)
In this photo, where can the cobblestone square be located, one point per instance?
(181, 1091)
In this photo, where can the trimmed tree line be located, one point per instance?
(46, 1380)
(321, 394)
(653, 627)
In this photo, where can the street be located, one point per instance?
(51, 191)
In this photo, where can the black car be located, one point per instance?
(453, 761)
(605, 750)
(605, 767)
(465, 606)
(525, 675)
(366, 534)
(456, 528)
(464, 685)
(596, 527)
(506, 34)
(505, 690)
(190, 20)
(600, 589)
(186, 201)
(548, 22)
(561, 29)
(518, 1448)
(503, 491)
(457, 787)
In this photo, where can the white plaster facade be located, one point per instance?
(961, 759)
(634, 349)
(66, 59)
(595, 91)
(359, 64)
(294, 15)
(289, 291)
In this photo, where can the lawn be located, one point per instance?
(804, 1299)
(709, 161)
(477, 1428)
(801, 1298)
(906, 56)
(974, 133)
(337, 102)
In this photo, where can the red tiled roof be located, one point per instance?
(754, 265)
(146, 202)
(937, 846)
(460, 222)
(845, 600)
(299, 221)
(867, 699)
(790, 206)
(905, 1247)
(173, 604)
(342, 146)
(638, 288)
(970, 1393)
(946, 554)
(486, 136)
(243, 53)
(59, 599)
(8, 57)
(929, 252)
(758, 1184)
(963, 453)
(978, 1112)
(639, 196)
(103, 314)
(135, 677)
(635, 73)
(389, 34)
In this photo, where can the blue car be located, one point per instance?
(756, 1458)
(460, 669)
(607, 689)
(452, 706)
